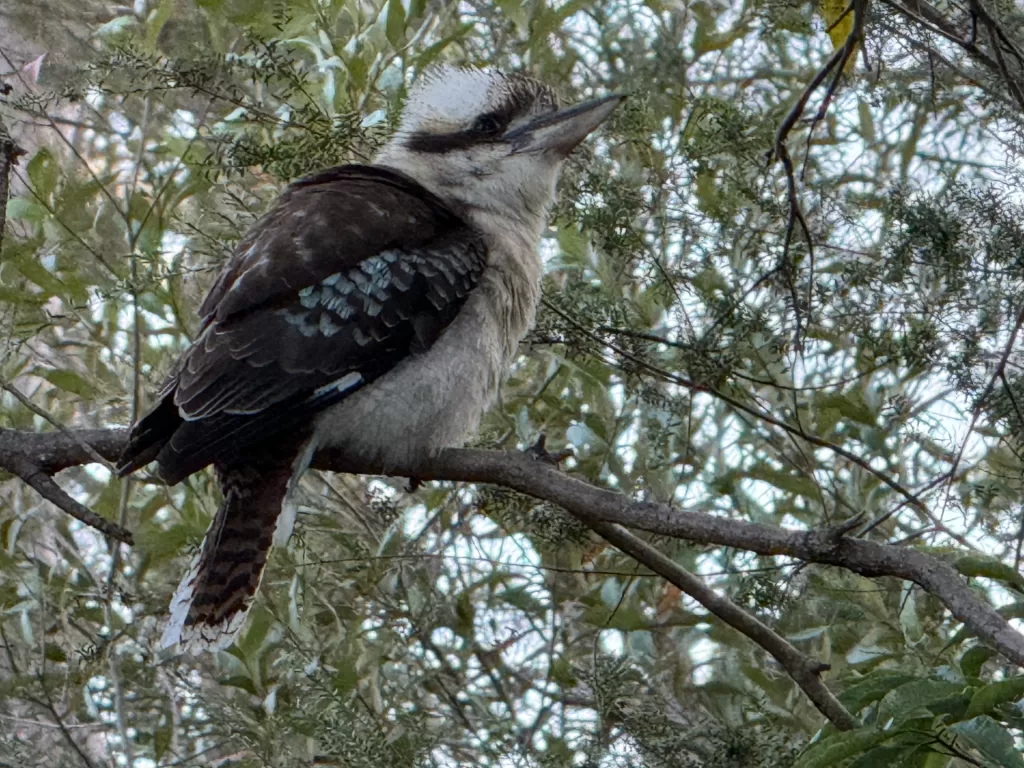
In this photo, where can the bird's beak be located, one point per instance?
(559, 132)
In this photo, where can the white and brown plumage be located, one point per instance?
(373, 309)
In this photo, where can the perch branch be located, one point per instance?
(54, 451)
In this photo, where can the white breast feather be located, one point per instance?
(436, 399)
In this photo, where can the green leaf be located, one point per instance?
(465, 614)
(851, 406)
(157, 18)
(394, 27)
(909, 620)
(706, 189)
(562, 673)
(259, 623)
(991, 740)
(43, 173)
(709, 280)
(161, 742)
(932, 760)
(516, 13)
(431, 54)
(914, 699)
(867, 123)
(883, 756)
(69, 381)
(629, 617)
(22, 298)
(834, 749)
(872, 687)
(825, 419)
(41, 276)
(990, 696)
(240, 681)
(784, 481)
(521, 598)
(23, 209)
(974, 658)
(345, 679)
(550, 19)
(160, 543)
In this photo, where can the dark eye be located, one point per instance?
(490, 124)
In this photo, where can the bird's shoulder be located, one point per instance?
(326, 223)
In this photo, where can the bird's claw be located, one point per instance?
(539, 452)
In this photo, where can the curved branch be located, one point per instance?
(805, 671)
(592, 505)
(34, 476)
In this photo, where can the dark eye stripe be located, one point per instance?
(487, 127)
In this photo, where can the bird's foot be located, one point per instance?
(539, 452)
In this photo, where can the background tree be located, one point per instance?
(781, 334)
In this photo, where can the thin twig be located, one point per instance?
(837, 64)
(122, 722)
(52, 709)
(805, 672)
(733, 402)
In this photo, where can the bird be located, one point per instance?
(373, 310)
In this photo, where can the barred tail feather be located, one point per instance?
(211, 602)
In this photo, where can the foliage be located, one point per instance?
(686, 349)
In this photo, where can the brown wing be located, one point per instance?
(351, 271)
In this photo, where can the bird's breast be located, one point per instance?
(436, 399)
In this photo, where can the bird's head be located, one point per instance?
(490, 144)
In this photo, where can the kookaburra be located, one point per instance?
(373, 310)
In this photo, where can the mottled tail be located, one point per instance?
(210, 605)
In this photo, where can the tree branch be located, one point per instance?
(18, 464)
(54, 451)
(806, 672)
(17, 459)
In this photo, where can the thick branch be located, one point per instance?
(46, 486)
(55, 451)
